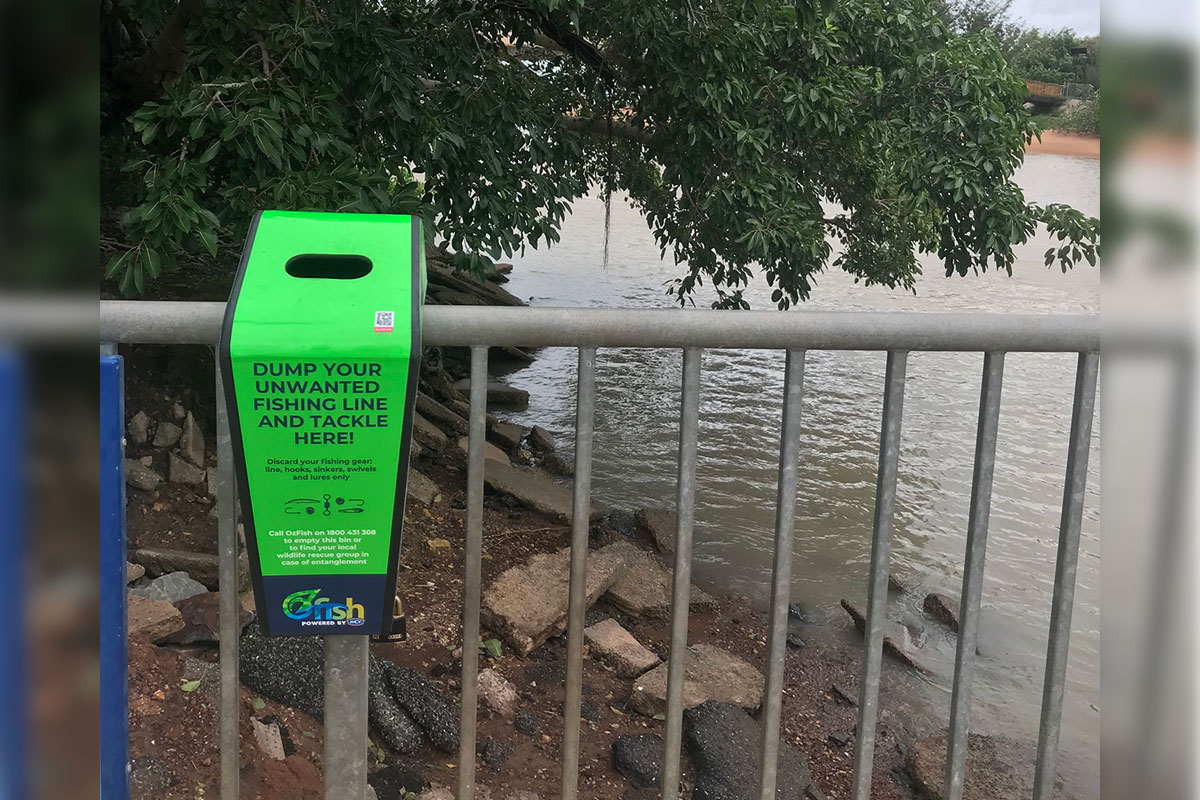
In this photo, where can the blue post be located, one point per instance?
(13, 563)
(114, 670)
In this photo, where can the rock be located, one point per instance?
(436, 794)
(421, 488)
(896, 584)
(397, 780)
(191, 441)
(166, 434)
(541, 440)
(147, 461)
(895, 638)
(794, 641)
(495, 753)
(490, 451)
(616, 647)
(152, 619)
(942, 608)
(842, 694)
(639, 757)
(505, 434)
(559, 464)
(269, 737)
(797, 612)
(723, 742)
(838, 741)
(813, 792)
(438, 545)
(996, 767)
(209, 675)
(429, 435)
(710, 674)
(646, 587)
(497, 693)
(202, 618)
(527, 604)
(527, 722)
(171, 588)
(621, 522)
(212, 478)
(203, 567)
(180, 471)
(140, 476)
(660, 525)
(441, 416)
(534, 489)
(177, 411)
(499, 395)
(133, 571)
(149, 777)
(139, 428)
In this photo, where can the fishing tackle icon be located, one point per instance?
(307, 506)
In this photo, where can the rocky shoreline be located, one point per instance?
(415, 685)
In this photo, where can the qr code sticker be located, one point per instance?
(384, 320)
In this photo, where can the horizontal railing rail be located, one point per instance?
(693, 331)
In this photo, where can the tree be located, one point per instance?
(1052, 56)
(749, 132)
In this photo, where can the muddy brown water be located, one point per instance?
(636, 441)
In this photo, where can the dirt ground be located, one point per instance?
(1061, 143)
(180, 727)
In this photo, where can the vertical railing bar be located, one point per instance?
(881, 550)
(577, 597)
(972, 586)
(346, 674)
(228, 601)
(689, 425)
(472, 571)
(1074, 487)
(781, 581)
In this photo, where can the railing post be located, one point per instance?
(881, 553)
(114, 652)
(472, 577)
(230, 629)
(346, 673)
(685, 502)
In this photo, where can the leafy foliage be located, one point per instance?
(757, 137)
(1084, 119)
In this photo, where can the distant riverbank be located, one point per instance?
(1060, 143)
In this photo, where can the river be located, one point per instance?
(636, 442)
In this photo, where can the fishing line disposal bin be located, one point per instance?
(320, 353)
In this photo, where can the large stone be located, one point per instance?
(639, 757)
(646, 587)
(613, 645)
(133, 571)
(167, 434)
(430, 436)
(140, 476)
(203, 567)
(527, 604)
(710, 673)
(942, 608)
(490, 451)
(499, 395)
(202, 618)
(421, 488)
(171, 588)
(659, 524)
(723, 742)
(139, 428)
(191, 441)
(269, 736)
(505, 434)
(996, 767)
(895, 638)
(541, 440)
(152, 619)
(181, 471)
(535, 489)
(440, 415)
(497, 693)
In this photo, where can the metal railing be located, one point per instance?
(693, 332)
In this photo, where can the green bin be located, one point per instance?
(320, 354)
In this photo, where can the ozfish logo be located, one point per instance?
(310, 610)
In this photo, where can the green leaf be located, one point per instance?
(493, 647)
(260, 704)
(190, 686)
(210, 153)
(209, 240)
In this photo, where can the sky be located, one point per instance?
(1081, 15)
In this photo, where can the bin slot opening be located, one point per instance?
(328, 265)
